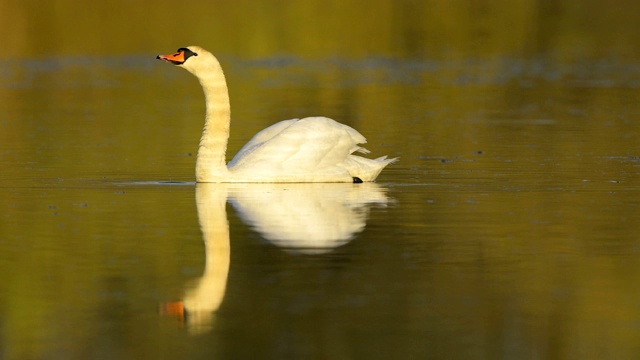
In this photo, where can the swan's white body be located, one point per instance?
(313, 149)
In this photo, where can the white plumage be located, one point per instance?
(313, 149)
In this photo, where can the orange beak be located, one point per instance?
(176, 59)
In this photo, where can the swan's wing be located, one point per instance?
(298, 146)
(262, 137)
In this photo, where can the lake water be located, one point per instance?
(508, 229)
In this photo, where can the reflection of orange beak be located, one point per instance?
(175, 309)
(176, 59)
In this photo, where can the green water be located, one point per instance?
(509, 228)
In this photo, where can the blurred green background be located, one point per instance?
(567, 30)
(514, 232)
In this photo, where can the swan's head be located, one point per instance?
(192, 58)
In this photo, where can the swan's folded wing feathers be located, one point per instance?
(302, 145)
(262, 137)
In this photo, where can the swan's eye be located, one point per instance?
(187, 53)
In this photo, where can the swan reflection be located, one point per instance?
(299, 218)
(306, 218)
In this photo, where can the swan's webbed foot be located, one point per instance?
(357, 180)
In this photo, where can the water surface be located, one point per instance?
(509, 228)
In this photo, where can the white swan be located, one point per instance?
(313, 149)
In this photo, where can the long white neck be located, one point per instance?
(210, 163)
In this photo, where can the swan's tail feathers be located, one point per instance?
(361, 150)
(366, 169)
(387, 161)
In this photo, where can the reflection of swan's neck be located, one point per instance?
(212, 216)
(210, 163)
(206, 295)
